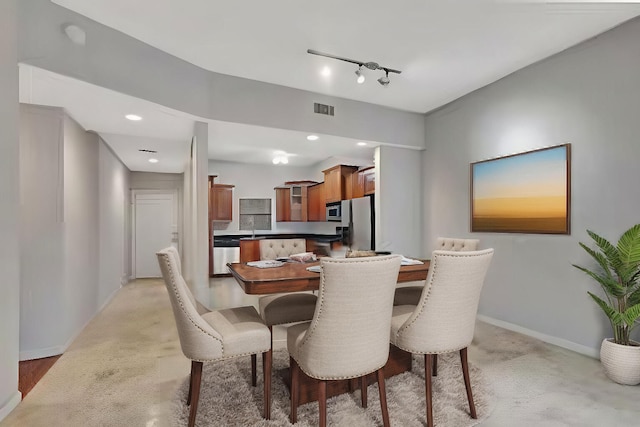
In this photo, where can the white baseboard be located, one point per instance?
(40, 353)
(10, 405)
(560, 342)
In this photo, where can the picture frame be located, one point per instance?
(528, 192)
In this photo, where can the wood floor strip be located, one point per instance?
(31, 371)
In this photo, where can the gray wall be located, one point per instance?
(73, 229)
(589, 96)
(398, 201)
(115, 224)
(81, 227)
(43, 325)
(9, 209)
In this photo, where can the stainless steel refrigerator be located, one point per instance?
(358, 216)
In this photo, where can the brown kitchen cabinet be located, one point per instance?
(337, 182)
(369, 178)
(363, 182)
(250, 249)
(292, 201)
(221, 202)
(283, 204)
(316, 208)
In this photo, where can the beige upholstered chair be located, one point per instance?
(217, 335)
(411, 294)
(346, 338)
(281, 309)
(277, 248)
(443, 321)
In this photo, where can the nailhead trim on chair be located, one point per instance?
(173, 286)
(175, 290)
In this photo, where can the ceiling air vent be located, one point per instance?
(327, 110)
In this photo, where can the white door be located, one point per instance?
(155, 228)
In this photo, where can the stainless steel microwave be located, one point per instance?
(334, 211)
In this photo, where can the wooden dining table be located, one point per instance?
(294, 277)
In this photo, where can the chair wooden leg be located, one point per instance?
(295, 374)
(322, 402)
(467, 381)
(196, 376)
(254, 375)
(383, 398)
(190, 381)
(428, 360)
(434, 370)
(266, 372)
(363, 390)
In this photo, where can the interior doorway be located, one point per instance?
(155, 226)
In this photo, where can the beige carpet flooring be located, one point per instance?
(125, 367)
(228, 399)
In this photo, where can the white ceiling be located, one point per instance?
(445, 49)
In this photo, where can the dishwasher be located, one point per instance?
(221, 256)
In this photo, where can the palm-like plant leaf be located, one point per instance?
(609, 284)
(629, 246)
(634, 298)
(609, 251)
(600, 259)
(631, 315)
(614, 315)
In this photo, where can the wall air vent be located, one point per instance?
(327, 110)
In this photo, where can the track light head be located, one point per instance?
(384, 80)
(360, 78)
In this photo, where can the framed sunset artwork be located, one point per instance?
(523, 193)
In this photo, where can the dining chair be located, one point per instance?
(346, 339)
(214, 336)
(282, 309)
(443, 321)
(411, 294)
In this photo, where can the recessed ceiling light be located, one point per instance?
(153, 160)
(312, 137)
(133, 117)
(362, 144)
(326, 71)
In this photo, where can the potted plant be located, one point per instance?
(619, 277)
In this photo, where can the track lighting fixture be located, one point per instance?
(384, 80)
(360, 78)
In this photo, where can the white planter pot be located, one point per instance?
(621, 363)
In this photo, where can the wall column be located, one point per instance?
(9, 209)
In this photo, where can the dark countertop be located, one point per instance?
(233, 240)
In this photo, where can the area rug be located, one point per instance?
(228, 399)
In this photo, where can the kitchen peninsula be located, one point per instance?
(230, 248)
